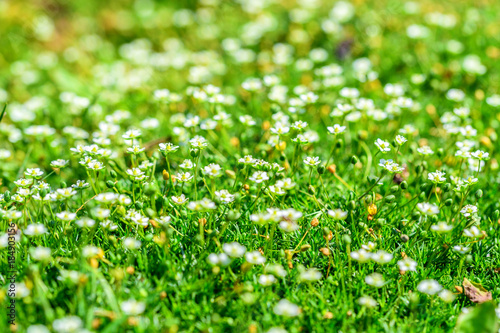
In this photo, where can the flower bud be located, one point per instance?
(404, 185)
(479, 194)
(327, 234)
(346, 239)
(354, 159)
(372, 209)
(390, 198)
(305, 248)
(194, 152)
(325, 251)
(311, 189)
(404, 238)
(339, 143)
(6, 196)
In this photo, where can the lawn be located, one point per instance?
(249, 166)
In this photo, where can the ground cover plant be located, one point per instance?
(249, 166)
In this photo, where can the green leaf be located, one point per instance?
(3, 112)
(481, 318)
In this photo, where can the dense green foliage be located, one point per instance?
(250, 166)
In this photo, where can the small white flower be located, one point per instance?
(255, 257)
(267, 280)
(383, 146)
(367, 301)
(473, 232)
(441, 227)
(337, 214)
(234, 249)
(259, 177)
(428, 208)
(310, 275)
(312, 161)
(468, 210)
(132, 307)
(361, 255)
(407, 265)
(336, 129)
(429, 287)
(375, 280)
(447, 296)
(286, 308)
(70, 324)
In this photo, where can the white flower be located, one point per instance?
(310, 275)
(436, 177)
(461, 249)
(425, 150)
(441, 227)
(447, 296)
(35, 173)
(59, 164)
(183, 177)
(85, 222)
(375, 280)
(367, 301)
(337, 214)
(36, 229)
(473, 232)
(132, 134)
(168, 147)
(370, 246)
(481, 155)
(288, 226)
(259, 177)
(286, 308)
(267, 280)
(255, 257)
(131, 243)
(361, 255)
(384, 146)
(234, 249)
(312, 161)
(66, 216)
(70, 324)
(213, 170)
(40, 253)
(428, 208)
(429, 287)
(381, 257)
(224, 196)
(336, 129)
(220, 259)
(179, 200)
(468, 210)
(407, 264)
(400, 140)
(132, 307)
